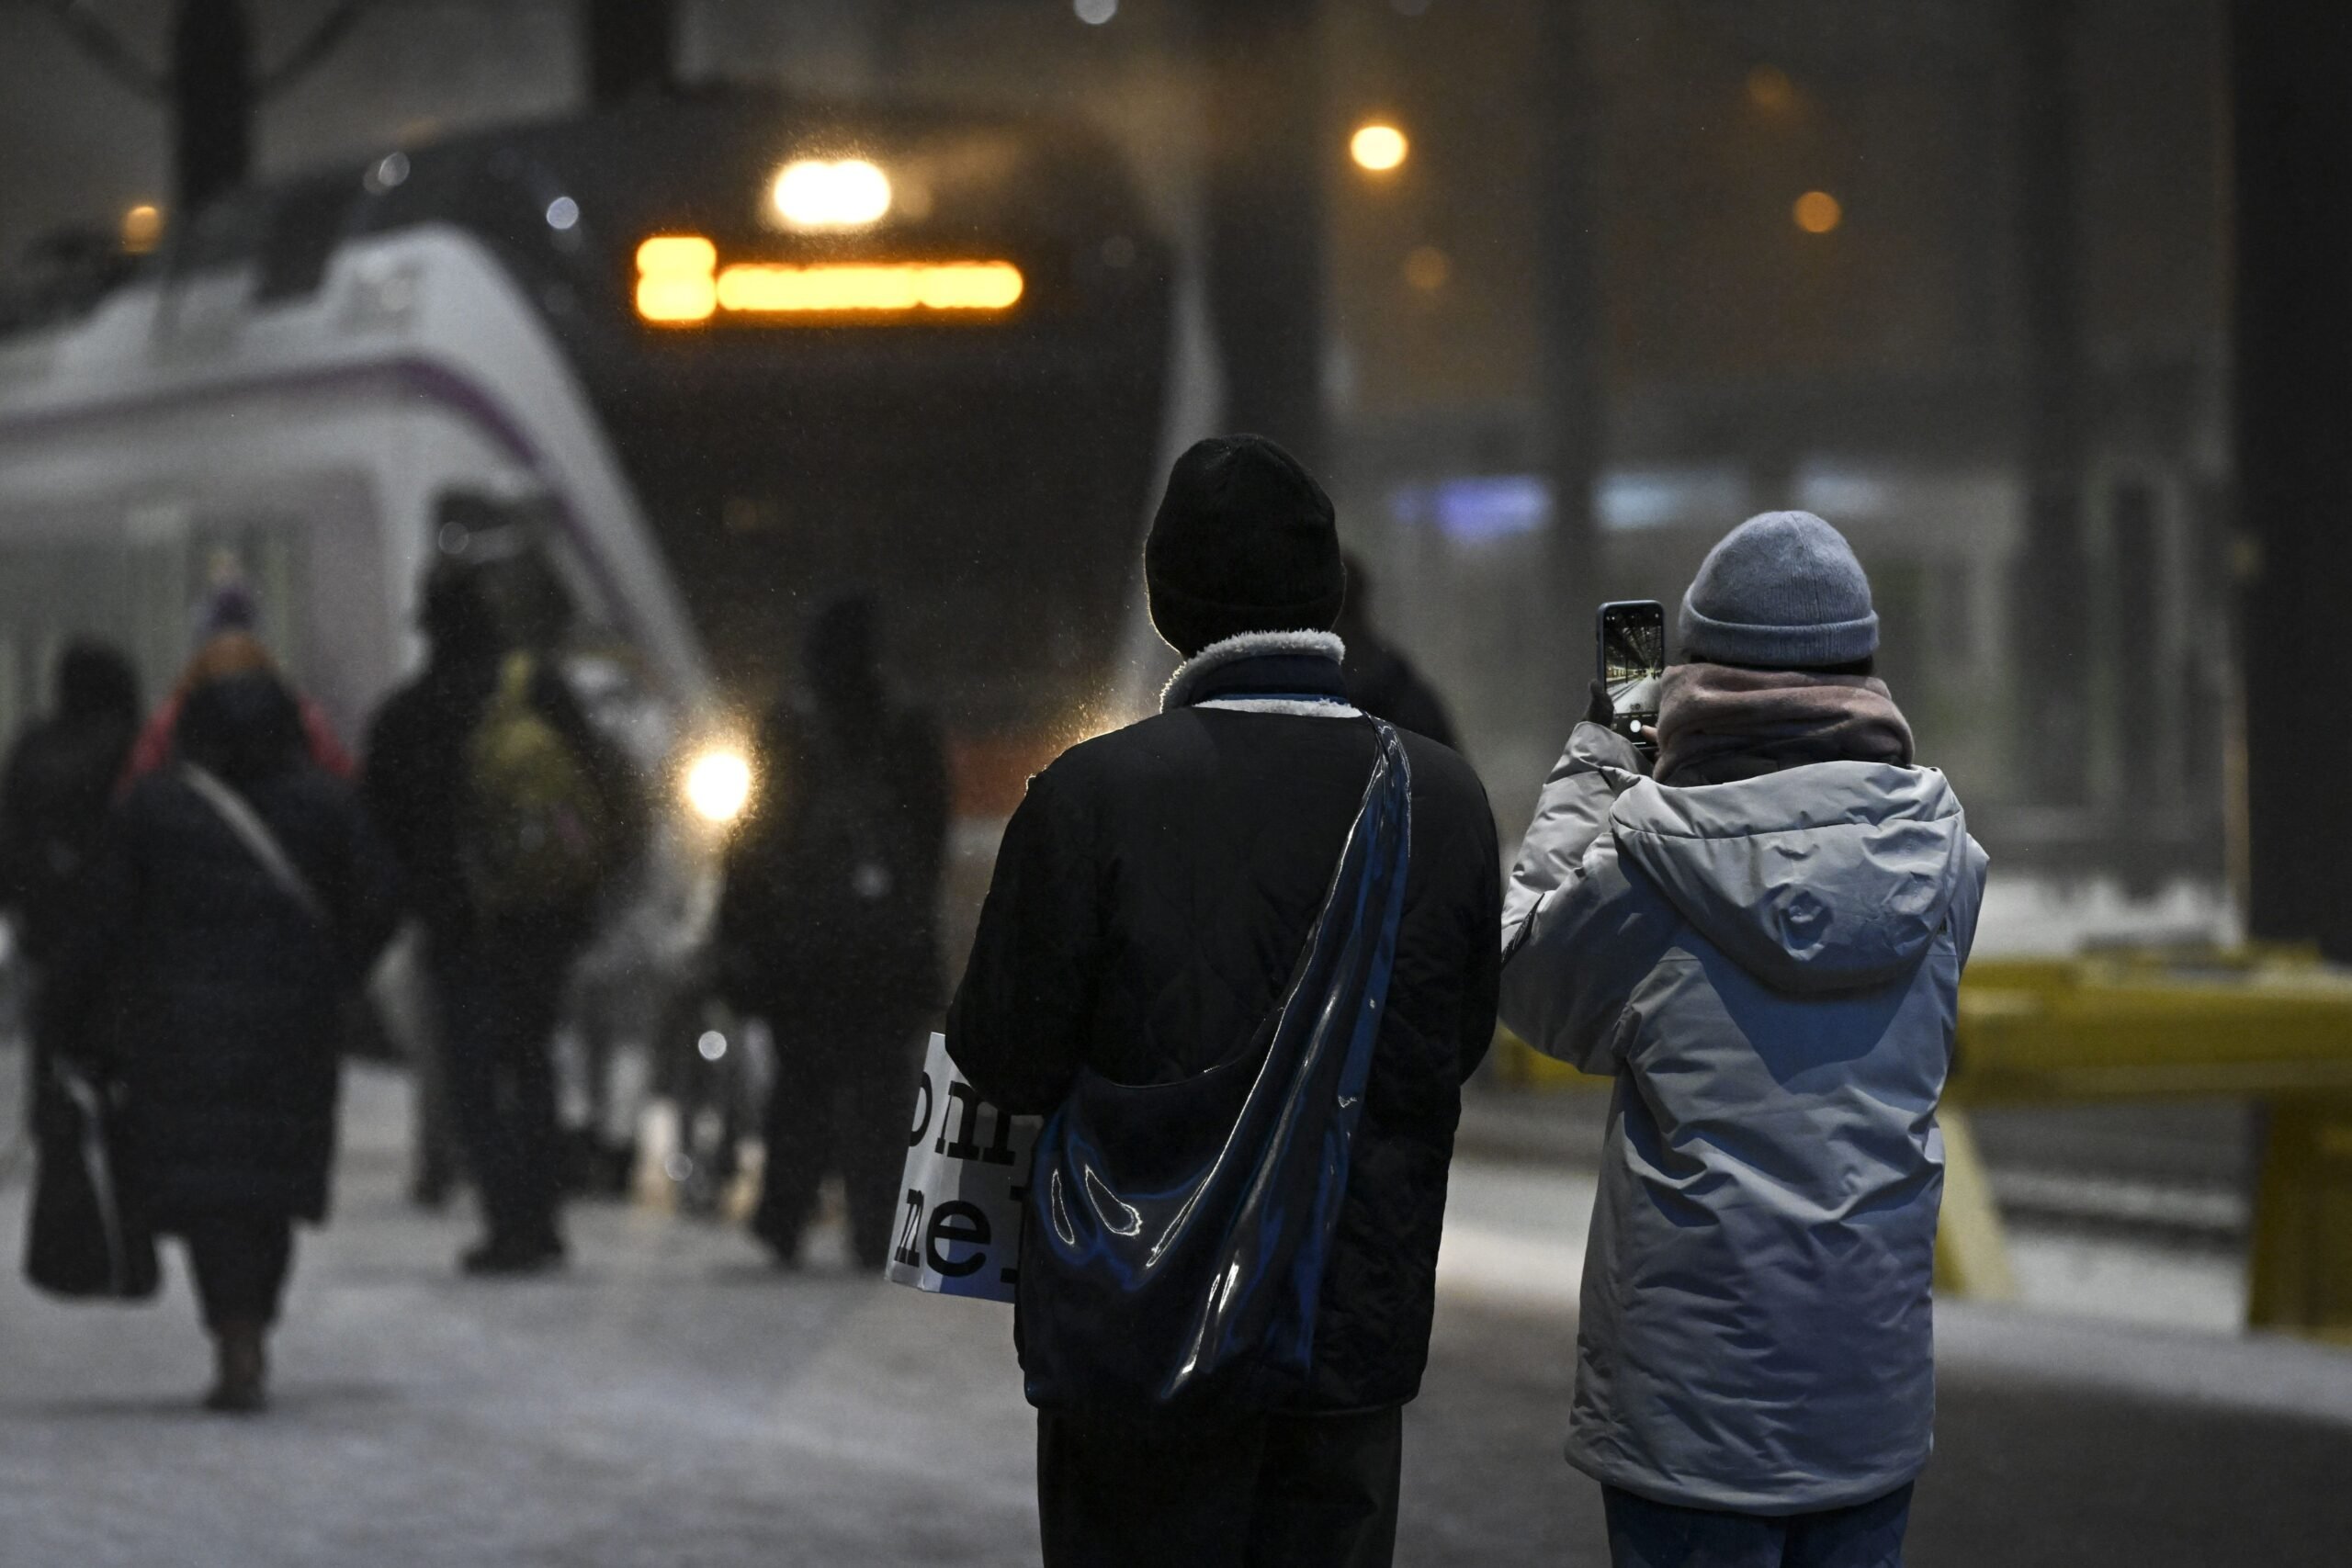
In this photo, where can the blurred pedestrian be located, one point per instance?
(1381, 680)
(1151, 903)
(1762, 942)
(829, 928)
(232, 914)
(508, 815)
(59, 784)
(227, 644)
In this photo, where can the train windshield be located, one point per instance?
(924, 358)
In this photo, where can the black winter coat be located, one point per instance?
(833, 890)
(220, 1000)
(59, 784)
(1151, 899)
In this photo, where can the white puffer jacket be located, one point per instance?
(1770, 970)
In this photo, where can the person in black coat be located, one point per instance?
(1153, 893)
(1381, 680)
(217, 982)
(498, 980)
(59, 784)
(830, 929)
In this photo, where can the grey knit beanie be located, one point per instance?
(1781, 591)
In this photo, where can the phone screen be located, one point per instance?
(1632, 660)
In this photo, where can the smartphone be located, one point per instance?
(1631, 638)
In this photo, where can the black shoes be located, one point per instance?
(504, 1258)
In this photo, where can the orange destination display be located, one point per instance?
(680, 282)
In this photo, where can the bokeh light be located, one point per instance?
(1379, 147)
(1770, 89)
(1818, 213)
(1427, 268)
(142, 227)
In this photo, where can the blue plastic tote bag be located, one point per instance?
(1177, 1233)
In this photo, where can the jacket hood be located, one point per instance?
(1832, 876)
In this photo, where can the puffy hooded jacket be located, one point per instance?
(1770, 968)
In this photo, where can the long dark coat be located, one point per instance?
(208, 987)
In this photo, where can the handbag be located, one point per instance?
(1178, 1232)
(83, 1239)
(968, 1161)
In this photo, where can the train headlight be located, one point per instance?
(815, 193)
(717, 784)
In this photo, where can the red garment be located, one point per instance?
(153, 748)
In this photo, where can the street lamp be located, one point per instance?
(1378, 147)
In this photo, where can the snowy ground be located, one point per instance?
(672, 1401)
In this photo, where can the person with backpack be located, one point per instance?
(235, 907)
(1761, 939)
(829, 928)
(1241, 955)
(509, 814)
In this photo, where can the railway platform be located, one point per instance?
(672, 1400)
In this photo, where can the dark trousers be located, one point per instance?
(498, 1001)
(240, 1261)
(1644, 1534)
(1278, 1492)
(843, 1094)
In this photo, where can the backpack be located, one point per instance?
(539, 836)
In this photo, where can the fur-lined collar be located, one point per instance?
(1183, 686)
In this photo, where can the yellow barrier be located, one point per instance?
(2272, 1024)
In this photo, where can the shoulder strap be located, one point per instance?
(255, 834)
(517, 677)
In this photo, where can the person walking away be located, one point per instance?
(57, 788)
(227, 644)
(1761, 939)
(235, 909)
(1381, 680)
(829, 928)
(507, 815)
(55, 793)
(1150, 903)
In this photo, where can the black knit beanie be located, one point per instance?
(1244, 542)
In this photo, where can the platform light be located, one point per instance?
(143, 226)
(815, 193)
(718, 784)
(1818, 213)
(1378, 147)
(1094, 13)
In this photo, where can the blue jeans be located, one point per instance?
(1644, 1534)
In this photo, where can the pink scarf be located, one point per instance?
(1717, 724)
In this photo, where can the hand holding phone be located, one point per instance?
(1630, 634)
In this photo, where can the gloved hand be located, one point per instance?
(1600, 710)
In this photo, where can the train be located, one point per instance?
(671, 374)
(699, 363)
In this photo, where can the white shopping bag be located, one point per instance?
(966, 1181)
